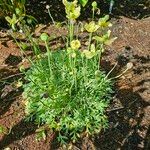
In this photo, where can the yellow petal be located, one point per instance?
(110, 41)
(91, 27)
(88, 54)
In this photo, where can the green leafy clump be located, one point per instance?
(67, 106)
(67, 91)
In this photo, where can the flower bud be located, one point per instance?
(129, 65)
(73, 55)
(44, 37)
(47, 7)
(94, 5)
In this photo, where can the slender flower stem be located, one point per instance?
(118, 76)
(83, 70)
(49, 58)
(99, 61)
(51, 17)
(70, 33)
(71, 30)
(75, 73)
(93, 15)
(111, 70)
(90, 39)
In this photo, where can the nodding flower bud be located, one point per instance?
(21, 68)
(97, 73)
(129, 65)
(94, 5)
(47, 7)
(73, 55)
(44, 37)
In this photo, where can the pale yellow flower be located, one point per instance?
(103, 22)
(75, 44)
(105, 39)
(91, 27)
(90, 54)
(74, 14)
(72, 9)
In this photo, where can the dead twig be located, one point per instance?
(11, 76)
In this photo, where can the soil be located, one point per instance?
(129, 111)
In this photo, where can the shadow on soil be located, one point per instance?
(135, 9)
(130, 8)
(8, 97)
(127, 110)
(19, 131)
(8, 77)
(126, 121)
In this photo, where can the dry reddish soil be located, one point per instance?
(129, 111)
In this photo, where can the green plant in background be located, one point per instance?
(83, 2)
(3, 130)
(15, 13)
(67, 91)
(111, 2)
(7, 7)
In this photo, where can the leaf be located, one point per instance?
(83, 2)
(1, 129)
(18, 11)
(8, 19)
(41, 135)
(98, 38)
(88, 54)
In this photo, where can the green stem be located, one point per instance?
(51, 17)
(71, 68)
(49, 58)
(90, 39)
(89, 45)
(83, 70)
(111, 70)
(99, 59)
(22, 51)
(71, 30)
(75, 74)
(93, 15)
